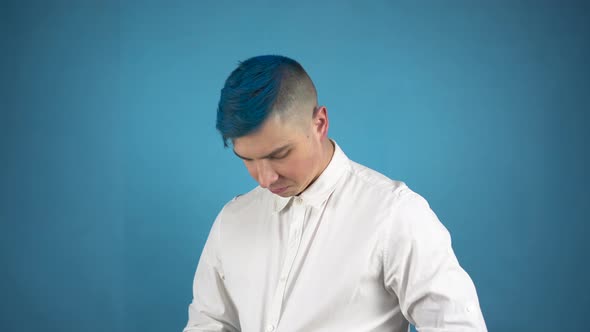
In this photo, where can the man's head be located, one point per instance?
(268, 110)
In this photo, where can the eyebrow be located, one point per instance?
(270, 155)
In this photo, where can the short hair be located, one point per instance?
(258, 87)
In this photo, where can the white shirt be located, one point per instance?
(355, 252)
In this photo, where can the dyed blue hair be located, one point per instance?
(259, 86)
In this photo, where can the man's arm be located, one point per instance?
(435, 293)
(212, 309)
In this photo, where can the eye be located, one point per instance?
(281, 156)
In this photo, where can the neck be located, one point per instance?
(328, 148)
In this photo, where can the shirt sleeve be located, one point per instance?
(420, 267)
(211, 309)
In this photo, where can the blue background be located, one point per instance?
(112, 171)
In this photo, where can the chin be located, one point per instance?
(289, 193)
(286, 193)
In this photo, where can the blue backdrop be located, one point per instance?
(112, 171)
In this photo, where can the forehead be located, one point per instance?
(274, 133)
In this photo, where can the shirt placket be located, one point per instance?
(295, 233)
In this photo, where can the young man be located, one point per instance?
(323, 243)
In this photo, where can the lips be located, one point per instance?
(278, 190)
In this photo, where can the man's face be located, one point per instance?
(284, 156)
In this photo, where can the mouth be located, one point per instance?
(278, 190)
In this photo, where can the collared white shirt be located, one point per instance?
(356, 251)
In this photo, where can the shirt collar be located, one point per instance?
(323, 186)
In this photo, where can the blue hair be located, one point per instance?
(252, 92)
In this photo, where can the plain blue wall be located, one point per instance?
(112, 171)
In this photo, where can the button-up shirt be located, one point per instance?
(356, 251)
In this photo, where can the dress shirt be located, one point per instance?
(356, 251)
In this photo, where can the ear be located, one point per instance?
(320, 122)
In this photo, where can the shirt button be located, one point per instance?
(270, 328)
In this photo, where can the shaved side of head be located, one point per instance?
(297, 99)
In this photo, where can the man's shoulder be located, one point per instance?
(242, 202)
(377, 182)
(409, 208)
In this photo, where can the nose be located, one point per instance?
(266, 174)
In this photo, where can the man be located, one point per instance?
(323, 243)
